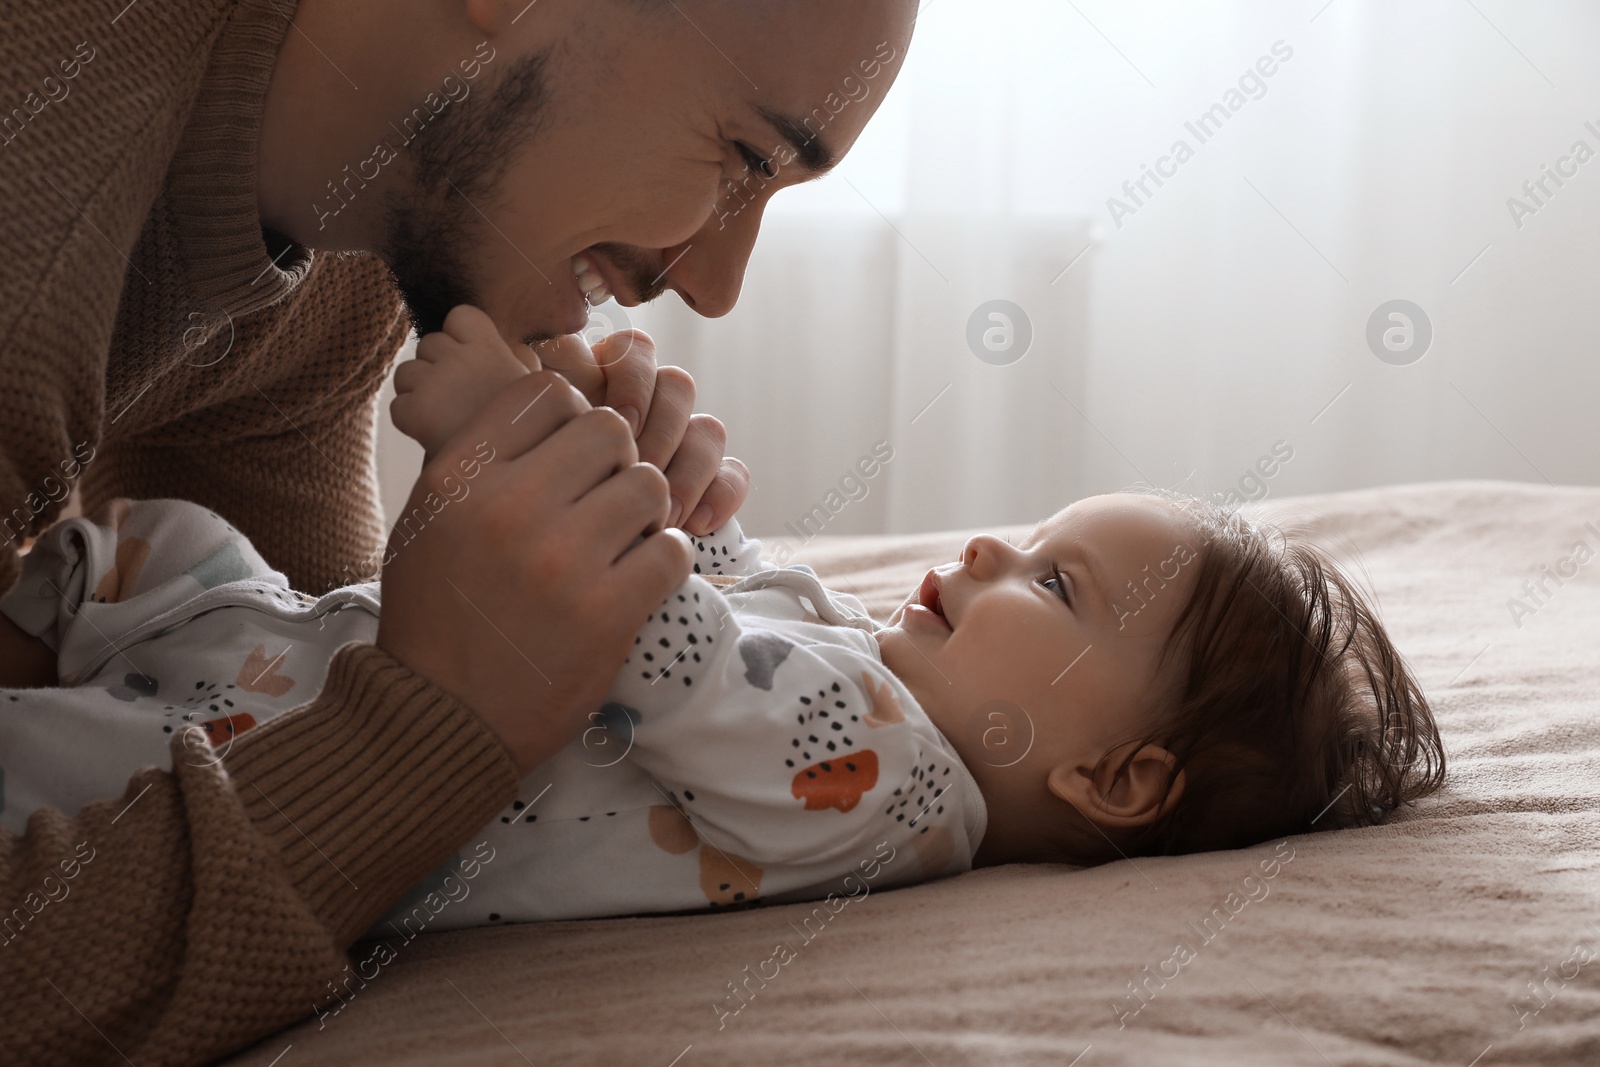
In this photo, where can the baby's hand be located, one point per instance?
(457, 372)
(462, 368)
(706, 486)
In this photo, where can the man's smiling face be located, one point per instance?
(632, 152)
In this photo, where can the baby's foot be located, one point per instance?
(457, 371)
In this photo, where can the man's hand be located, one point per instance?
(522, 595)
(706, 486)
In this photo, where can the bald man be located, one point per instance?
(223, 219)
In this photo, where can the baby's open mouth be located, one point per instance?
(928, 598)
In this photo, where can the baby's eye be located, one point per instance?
(1060, 584)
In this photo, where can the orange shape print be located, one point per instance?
(885, 705)
(116, 585)
(836, 783)
(671, 830)
(728, 879)
(221, 731)
(260, 674)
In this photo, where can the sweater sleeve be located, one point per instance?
(206, 908)
(92, 115)
(57, 319)
(289, 456)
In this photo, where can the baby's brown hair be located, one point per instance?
(1291, 711)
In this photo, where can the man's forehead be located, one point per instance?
(820, 132)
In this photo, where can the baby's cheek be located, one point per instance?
(1000, 654)
(976, 673)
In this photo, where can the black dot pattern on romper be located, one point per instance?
(670, 645)
(918, 800)
(824, 718)
(205, 701)
(518, 812)
(709, 559)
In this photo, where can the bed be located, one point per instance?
(1464, 931)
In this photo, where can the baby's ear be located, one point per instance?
(1113, 795)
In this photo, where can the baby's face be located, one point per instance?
(1048, 648)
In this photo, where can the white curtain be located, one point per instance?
(1225, 316)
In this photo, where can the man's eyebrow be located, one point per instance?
(808, 147)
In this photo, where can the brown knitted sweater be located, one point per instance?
(152, 348)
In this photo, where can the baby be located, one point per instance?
(1141, 674)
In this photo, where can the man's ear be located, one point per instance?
(1116, 796)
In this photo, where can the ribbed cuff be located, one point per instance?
(369, 787)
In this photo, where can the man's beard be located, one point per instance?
(456, 167)
(647, 278)
(457, 162)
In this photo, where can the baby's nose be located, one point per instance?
(981, 555)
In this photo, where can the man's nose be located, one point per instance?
(707, 270)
